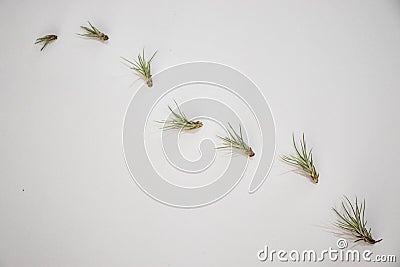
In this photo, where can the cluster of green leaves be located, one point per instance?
(46, 40)
(142, 67)
(180, 121)
(352, 221)
(93, 32)
(235, 140)
(302, 159)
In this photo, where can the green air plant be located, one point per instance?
(180, 121)
(235, 140)
(46, 40)
(352, 221)
(142, 67)
(302, 160)
(93, 32)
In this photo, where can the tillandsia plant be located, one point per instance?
(93, 32)
(352, 221)
(142, 67)
(46, 40)
(235, 140)
(180, 121)
(302, 159)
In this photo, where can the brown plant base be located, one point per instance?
(149, 82)
(251, 153)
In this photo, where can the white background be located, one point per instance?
(328, 68)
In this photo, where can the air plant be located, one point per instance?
(180, 121)
(93, 32)
(352, 221)
(142, 67)
(302, 160)
(235, 140)
(46, 40)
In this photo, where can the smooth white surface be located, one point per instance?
(328, 68)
